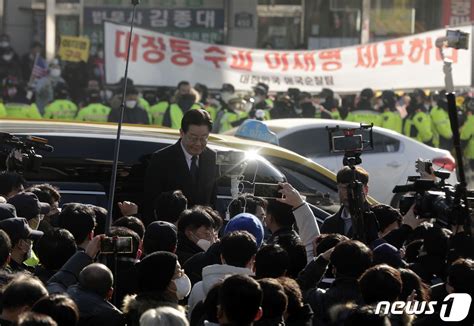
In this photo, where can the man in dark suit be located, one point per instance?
(188, 165)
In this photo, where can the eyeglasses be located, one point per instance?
(196, 139)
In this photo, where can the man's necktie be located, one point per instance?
(194, 170)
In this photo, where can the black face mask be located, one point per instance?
(185, 104)
(307, 109)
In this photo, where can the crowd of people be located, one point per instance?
(77, 91)
(264, 262)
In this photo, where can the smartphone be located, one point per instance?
(123, 245)
(267, 190)
(347, 143)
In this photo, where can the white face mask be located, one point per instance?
(204, 244)
(226, 96)
(4, 44)
(29, 253)
(183, 287)
(258, 98)
(130, 104)
(55, 72)
(8, 57)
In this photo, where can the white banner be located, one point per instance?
(160, 60)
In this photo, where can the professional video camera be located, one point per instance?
(435, 199)
(21, 153)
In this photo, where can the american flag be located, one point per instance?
(40, 68)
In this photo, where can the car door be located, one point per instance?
(386, 165)
(312, 143)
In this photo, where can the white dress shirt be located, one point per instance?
(189, 157)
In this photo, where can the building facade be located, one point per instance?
(278, 24)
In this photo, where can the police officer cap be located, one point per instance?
(264, 86)
(367, 93)
(419, 92)
(469, 104)
(388, 98)
(326, 93)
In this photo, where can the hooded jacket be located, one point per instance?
(135, 305)
(211, 275)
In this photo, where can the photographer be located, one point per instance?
(341, 222)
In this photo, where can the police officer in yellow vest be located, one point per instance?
(17, 102)
(417, 123)
(203, 94)
(390, 117)
(175, 112)
(95, 111)
(220, 103)
(3, 112)
(467, 132)
(61, 108)
(157, 110)
(327, 99)
(261, 108)
(364, 111)
(442, 132)
(309, 110)
(235, 114)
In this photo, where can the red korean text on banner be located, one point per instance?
(420, 49)
(182, 52)
(121, 45)
(215, 55)
(277, 60)
(331, 60)
(393, 53)
(242, 60)
(367, 56)
(304, 61)
(154, 49)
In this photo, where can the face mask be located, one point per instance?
(100, 54)
(183, 286)
(185, 104)
(29, 253)
(130, 104)
(4, 44)
(11, 92)
(7, 57)
(204, 244)
(226, 96)
(259, 115)
(55, 72)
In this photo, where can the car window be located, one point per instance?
(309, 142)
(385, 144)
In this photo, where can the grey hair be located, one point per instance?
(164, 316)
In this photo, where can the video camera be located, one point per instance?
(435, 200)
(21, 152)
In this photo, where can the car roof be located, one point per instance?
(283, 127)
